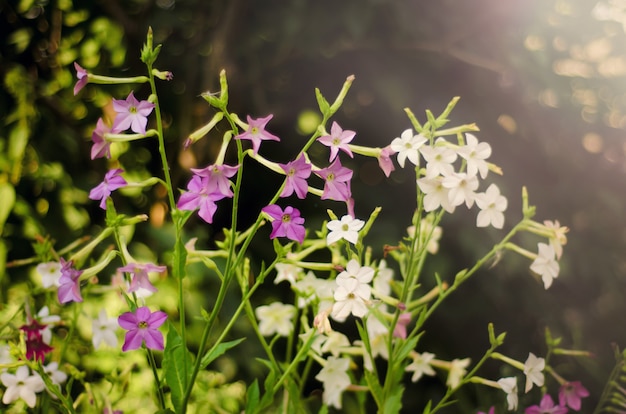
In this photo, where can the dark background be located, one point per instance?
(544, 81)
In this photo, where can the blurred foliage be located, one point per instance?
(543, 79)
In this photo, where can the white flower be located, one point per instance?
(457, 372)
(334, 343)
(461, 188)
(545, 264)
(353, 291)
(475, 154)
(5, 356)
(288, 272)
(311, 288)
(103, 330)
(347, 228)
(382, 281)
(21, 385)
(436, 195)
(509, 386)
(275, 318)
(407, 146)
(533, 368)
(45, 318)
(57, 376)
(560, 239)
(439, 159)
(421, 365)
(50, 273)
(335, 378)
(492, 205)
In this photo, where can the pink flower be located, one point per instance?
(112, 181)
(546, 406)
(337, 140)
(256, 132)
(400, 329)
(140, 275)
(286, 223)
(36, 348)
(69, 283)
(385, 162)
(571, 393)
(218, 176)
(492, 410)
(337, 185)
(297, 173)
(142, 327)
(101, 147)
(202, 194)
(132, 114)
(83, 78)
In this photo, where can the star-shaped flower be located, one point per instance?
(21, 385)
(457, 372)
(202, 193)
(385, 162)
(407, 146)
(101, 147)
(256, 132)
(132, 114)
(69, 283)
(420, 365)
(509, 386)
(546, 406)
(545, 264)
(103, 330)
(142, 326)
(461, 188)
(347, 228)
(439, 159)
(140, 275)
(337, 140)
(533, 368)
(571, 393)
(286, 223)
(335, 378)
(296, 173)
(112, 181)
(218, 177)
(337, 181)
(276, 318)
(492, 206)
(50, 273)
(435, 194)
(475, 154)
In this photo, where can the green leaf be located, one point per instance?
(7, 195)
(374, 386)
(219, 351)
(393, 404)
(177, 366)
(252, 397)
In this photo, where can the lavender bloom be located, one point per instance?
(140, 275)
(297, 173)
(337, 140)
(82, 76)
(132, 114)
(256, 132)
(142, 326)
(112, 181)
(69, 283)
(286, 223)
(337, 185)
(101, 147)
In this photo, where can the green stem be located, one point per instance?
(153, 365)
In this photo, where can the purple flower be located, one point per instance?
(399, 331)
(256, 132)
(492, 410)
(132, 114)
(69, 283)
(140, 275)
(36, 347)
(337, 140)
(202, 193)
(101, 147)
(297, 173)
(218, 176)
(286, 223)
(142, 327)
(546, 406)
(571, 393)
(83, 78)
(337, 185)
(385, 162)
(112, 181)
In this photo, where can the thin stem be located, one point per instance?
(152, 363)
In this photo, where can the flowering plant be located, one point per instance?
(358, 313)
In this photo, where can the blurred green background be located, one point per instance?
(545, 80)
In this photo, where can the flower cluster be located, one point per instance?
(352, 312)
